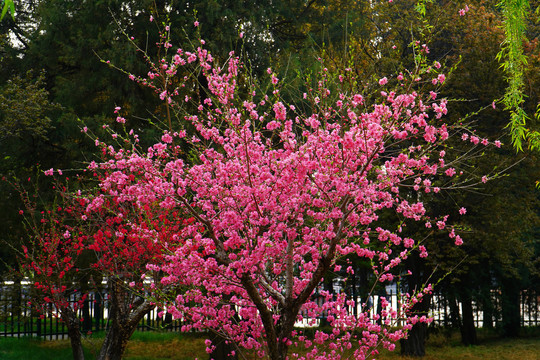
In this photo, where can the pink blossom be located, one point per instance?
(462, 211)
(450, 172)
(166, 138)
(497, 143)
(383, 81)
(49, 172)
(196, 23)
(280, 111)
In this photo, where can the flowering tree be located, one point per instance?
(74, 249)
(50, 259)
(279, 192)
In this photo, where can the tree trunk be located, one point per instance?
(98, 311)
(115, 343)
(74, 332)
(223, 350)
(468, 330)
(87, 320)
(487, 309)
(125, 313)
(76, 343)
(455, 317)
(415, 344)
(510, 307)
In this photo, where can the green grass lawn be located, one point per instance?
(157, 346)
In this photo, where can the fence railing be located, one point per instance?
(18, 319)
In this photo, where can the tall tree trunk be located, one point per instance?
(487, 309)
(468, 330)
(510, 307)
(455, 317)
(415, 343)
(86, 320)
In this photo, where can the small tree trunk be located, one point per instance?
(74, 332)
(115, 343)
(76, 343)
(125, 313)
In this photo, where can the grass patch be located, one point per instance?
(446, 346)
(31, 349)
(174, 346)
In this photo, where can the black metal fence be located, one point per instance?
(18, 318)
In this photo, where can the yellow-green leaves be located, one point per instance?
(513, 62)
(8, 5)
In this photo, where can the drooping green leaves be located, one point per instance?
(8, 5)
(513, 61)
